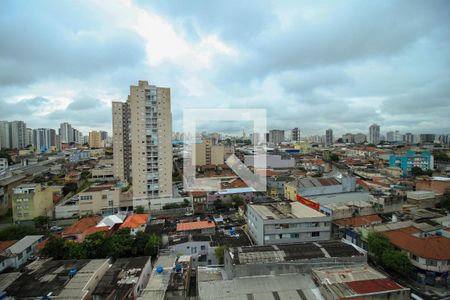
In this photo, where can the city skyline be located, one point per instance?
(69, 66)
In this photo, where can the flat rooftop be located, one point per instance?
(341, 198)
(291, 286)
(347, 274)
(292, 252)
(285, 210)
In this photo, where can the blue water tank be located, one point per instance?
(232, 231)
(159, 269)
(178, 268)
(72, 272)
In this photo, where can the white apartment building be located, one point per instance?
(286, 223)
(374, 134)
(142, 127)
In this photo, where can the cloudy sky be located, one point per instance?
(312, 64)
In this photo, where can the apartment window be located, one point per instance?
(202, 247)
(431, 262)
(414, 257)
(315, 233)
(295, 235)
(193, 250)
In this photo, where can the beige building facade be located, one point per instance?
(206, 153)
(143, 127)
(95, 139)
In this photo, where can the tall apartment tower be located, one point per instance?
(143, 127)
(329, 137)
(374, 134)
(5, 136)
(276, 136)
(66, 133)
(18, 134)
(295, 134)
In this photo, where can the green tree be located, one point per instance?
(219, 252)
(42, 222)
(218, 204)
(416, 171)
(17, 232)
(54, 247)
(74, 250)
(152, 245)
(441, 156)
(378, 243)
(139, 209)
(397, 262)
(445, 201)
(237, 201)
(95, 245)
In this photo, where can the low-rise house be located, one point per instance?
(286, 223)
(58, 279)
(438, 185)
(34, 200)
(319, 186)
(82, 228)
(170, 279)
(357, 282)
(19, 253)
(100, 199)
(197, 227)
(125, 279)
(423, 199)
(429, 252)
(135, 223)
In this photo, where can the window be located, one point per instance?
(193, 250)
(202, 247)
(414, 257)
(431, 262)
(315, 233)
(295, 235)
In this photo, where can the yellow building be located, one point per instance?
(95, 139)
(290, 190)
(101, 199)
(33, 200)
(304, 147)
(207, 153)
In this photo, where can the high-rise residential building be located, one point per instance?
(360, 138)
(5, 135)
(295, 134)
(329, 138)
(29, 137)
(121, 140)
(66, 133)
(276, 136)
(143, 126)
(18, 133)
(44, 139)
(408, 138)
(394, 136)
(77, 136)
(374, 134)
(95, 139)
(104, 135)
(206, 153)
(427, 138)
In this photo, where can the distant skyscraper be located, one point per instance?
(295, 134)
(66, 133)
(44, 139)
(18, 133)
(29, 137)
(95, 139)
(143, 126)
(5, 135)
(427, 138)
(374, 134)
(408, 138)
(329, 138)
(276, 136)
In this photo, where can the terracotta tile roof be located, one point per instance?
(93, 230)
(195, 225)
(82, 225)
(373, 286)
(6, 244)
(198, 194)
(431, 247)
(134, 221)
(358, 221)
